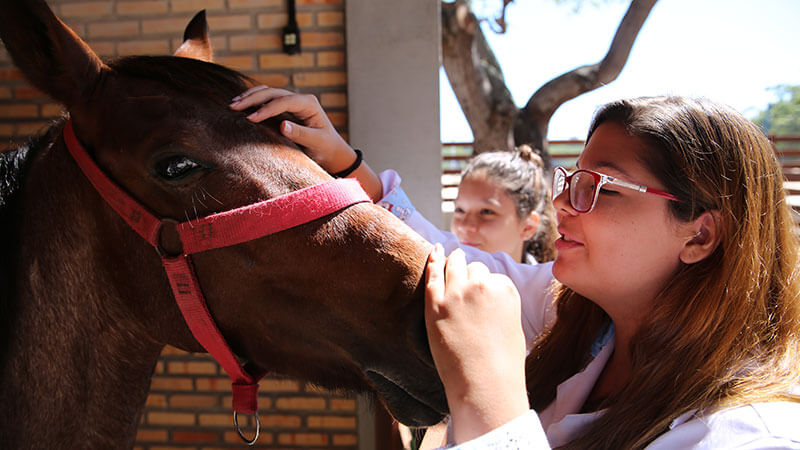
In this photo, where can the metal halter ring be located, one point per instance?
(239, 430)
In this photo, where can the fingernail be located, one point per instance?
(287, 128)
(236, 99)
(252, 116)
(234, 102)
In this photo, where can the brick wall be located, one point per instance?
(245, 34)
(189, 406)
(190, 401)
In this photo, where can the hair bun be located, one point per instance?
(528, 154)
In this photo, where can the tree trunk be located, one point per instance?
(477, 79)
(478, 83)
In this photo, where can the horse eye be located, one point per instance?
(176, 168)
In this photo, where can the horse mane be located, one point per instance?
(14, 164)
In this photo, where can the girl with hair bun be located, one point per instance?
(503, 205)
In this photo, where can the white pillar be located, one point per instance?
(393, 58)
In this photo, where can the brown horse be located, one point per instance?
(86, 306)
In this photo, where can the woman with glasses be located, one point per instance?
(674, 320)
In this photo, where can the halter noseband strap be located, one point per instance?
(214, 231)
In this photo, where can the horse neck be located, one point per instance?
(77, 370)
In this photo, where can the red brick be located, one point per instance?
(239, 4)
(338, 404)
(50, 110)
(284, 61)
(117, 28)
(320, 79)
(271, 79)
(156, 401)
(213, 384)
(196, 5)
(219, 23)
(278, 384)
(280, 20)
(31, 128)
(103, 48)
(264, 41)
(345, 439)
(264, 438)
(170, 350)
(85, 9)
(280, 421)
(192, 367)
(142, 7)
(239, 62)
(170, 418)
(172, 26)
(333, 99)
(302, 439)
(215, 420)
(149, 47)
(171, 384)
(322, 39)
(195, 436)
(338, 119)
(18, 111)
(11, 74)
(151, 435)
(6, 130)
(330, 59)
(5, 92)
(193, 401)
(330, 18)
(300, 403)
(341, 422)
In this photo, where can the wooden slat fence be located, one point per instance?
(566, 152)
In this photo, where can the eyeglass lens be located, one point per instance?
(581, 189)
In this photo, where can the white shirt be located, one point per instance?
(773, 425)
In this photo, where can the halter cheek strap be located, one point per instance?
(215, 231)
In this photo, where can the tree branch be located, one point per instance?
(544, 102)
(476, 78)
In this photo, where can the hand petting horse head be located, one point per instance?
(152, 191)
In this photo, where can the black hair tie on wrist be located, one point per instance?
(353, 167)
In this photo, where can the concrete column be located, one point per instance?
(393, 58)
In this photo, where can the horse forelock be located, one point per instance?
(186, 90)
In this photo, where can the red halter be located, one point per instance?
(214, 231)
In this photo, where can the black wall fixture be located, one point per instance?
(291, 32)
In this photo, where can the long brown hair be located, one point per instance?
(724, 331)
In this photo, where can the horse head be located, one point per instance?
(337, 301)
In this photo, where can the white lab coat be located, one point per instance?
(770, 425)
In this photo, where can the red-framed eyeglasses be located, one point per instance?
(584, 187)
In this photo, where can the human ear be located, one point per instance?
(531, 223)
(706, 234)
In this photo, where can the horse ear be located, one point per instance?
(195, 39)
(50, 55)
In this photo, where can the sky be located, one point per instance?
(731, 51)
